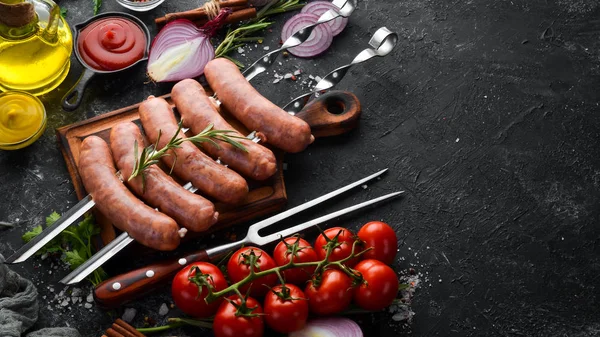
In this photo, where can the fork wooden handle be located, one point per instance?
(126, 287)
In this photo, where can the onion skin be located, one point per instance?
(329, 327)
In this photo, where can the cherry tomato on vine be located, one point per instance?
(249, 324)
(187, 295)
(286, 310)
(382, 238)
(342, 245)
(305, 253)
(238, 267)
(381, 285)
(332, 295)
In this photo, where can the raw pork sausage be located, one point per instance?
(146, 225)
(188, 162)
(159, 190)
(198, 112)
(283, 130)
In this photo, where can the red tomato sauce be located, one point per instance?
(111, 44)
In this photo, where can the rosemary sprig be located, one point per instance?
(97, 5)
(150, 156)
(239, 36)
(236, 38)
(209, 135)
(279, 6)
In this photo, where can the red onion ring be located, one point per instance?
(319, 40)
(319, 7)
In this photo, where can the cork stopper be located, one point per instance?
(17, 15)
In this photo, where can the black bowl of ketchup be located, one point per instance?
(105, 44)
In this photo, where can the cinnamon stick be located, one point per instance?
(129, 328)
(112, 333)
(241, 15)
(200, 13)
(193, 15)
(121, 329)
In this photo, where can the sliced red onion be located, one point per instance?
(319, 40)
(179, 51)
(329, 327)
(319, 7)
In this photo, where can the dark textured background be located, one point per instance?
(486, 113)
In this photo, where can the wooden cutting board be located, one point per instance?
(331, 114)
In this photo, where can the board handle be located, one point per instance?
(125, 287)
(332, 113)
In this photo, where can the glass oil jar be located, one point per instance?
(35, 46)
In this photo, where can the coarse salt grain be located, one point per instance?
(163, 310)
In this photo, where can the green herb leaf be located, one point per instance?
(75, 242)
(28, 236)
(150, 155)
(238, 37)
(63, 12)
(52, 218)
(52, 249)
(97, 4)
(74, 259)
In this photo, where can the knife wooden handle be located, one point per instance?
(126, 287)
(332, 113)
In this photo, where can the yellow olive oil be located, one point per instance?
(36, 58)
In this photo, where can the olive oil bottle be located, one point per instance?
(35, 46)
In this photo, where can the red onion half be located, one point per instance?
(329, 327)
(319, 7)
(179, 51)
(319, 40)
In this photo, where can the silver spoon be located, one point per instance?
(346, 7)
(382, 43)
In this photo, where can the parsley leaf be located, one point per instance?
(28, 236)
(74, 259)
(75, 242)
(52, 218)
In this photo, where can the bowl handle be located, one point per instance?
(74, 96)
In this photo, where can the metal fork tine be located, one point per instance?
(252, 237)
(260, 240)
(262, 224)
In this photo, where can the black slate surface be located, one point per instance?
(486, 113)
